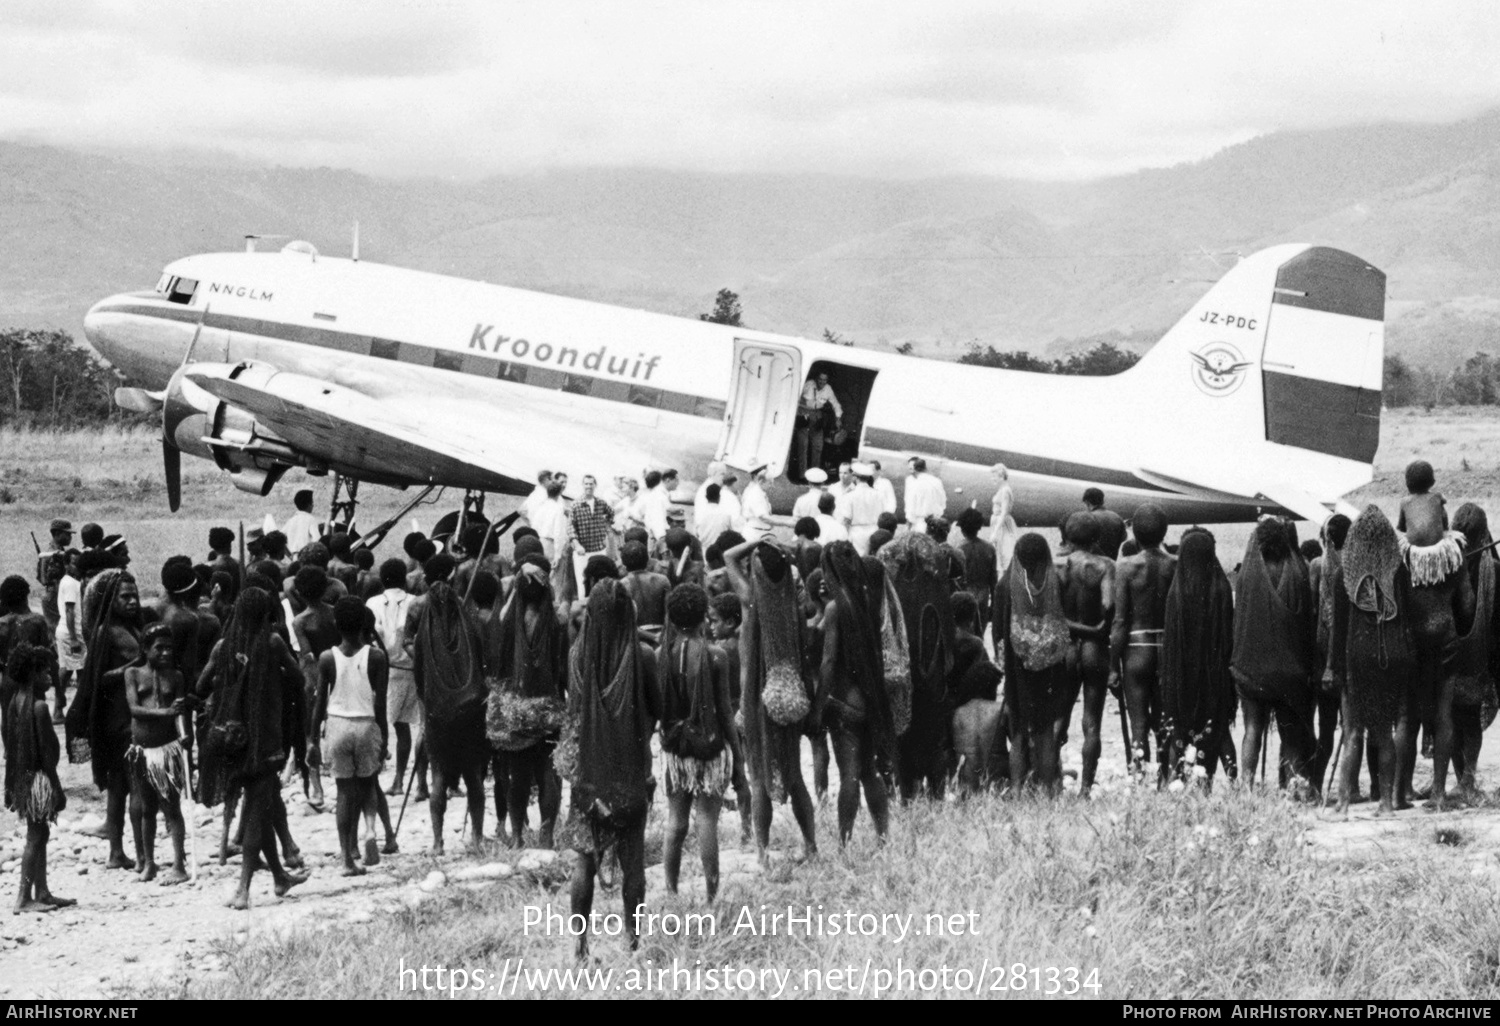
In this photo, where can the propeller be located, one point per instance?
(172, 415)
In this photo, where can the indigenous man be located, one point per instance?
(99, 718)
(193, 631)
(158, 766)
(391, 608)
(1275, 650)
(315, 632)
(851, 695)
(526, 648)
(221, 552)
(450, 682)
(613, 706)
(32, 789)
(1111, 527)
(1031, 635)
(1468, 699)
(977, 740)
(1141, 584)
(1197, 642)
(1434, 555)
(1372, 650)
(50, 566)
(352, 682)
(18, 624)
(698, 737)
(684, 560)
(771, 667)
(806, 550)
(979, 561)
(645, 586)
(724, 621)
(1088, 596)
(1320, 572)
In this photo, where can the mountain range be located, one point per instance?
(938, 263)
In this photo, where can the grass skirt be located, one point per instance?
(682, 774)
(1431, 564)
(158, 768)
(38, 800)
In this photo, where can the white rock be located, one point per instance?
(488, 871)
(435, 881)
(533, 859)
(360, 916)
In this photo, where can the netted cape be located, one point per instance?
(1380, 658)
(770, 646)
(1472, 663)
(858, 599)
(606, 752)
(1197, 641)
(90, 737)
(449, 676)
(1275, 628)
(1038, 630)
(247, 724)
(917, 567)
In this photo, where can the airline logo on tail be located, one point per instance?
(1218, 369)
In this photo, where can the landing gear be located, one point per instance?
(342, 510)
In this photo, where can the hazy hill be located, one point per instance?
(939, 262)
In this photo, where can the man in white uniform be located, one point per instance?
(830, 527)
(301, 529)
(807, 503)
(862, 508)
(884, 489)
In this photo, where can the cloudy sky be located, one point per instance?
(460, 89)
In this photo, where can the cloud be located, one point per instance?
(885, 89)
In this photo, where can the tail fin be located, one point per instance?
(1272, 382)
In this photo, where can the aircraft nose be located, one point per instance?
(136, 344)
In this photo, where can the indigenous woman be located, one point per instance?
(1373, 650)
(253, 677)
(917, 567)
(32, 790)
(851, 693)
(1031, 633)
(1198, 639)
(1469, 688)
(613, 706)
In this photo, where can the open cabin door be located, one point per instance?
(762, 411)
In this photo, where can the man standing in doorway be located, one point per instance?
(817, 404)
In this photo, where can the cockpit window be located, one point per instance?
(180, 290)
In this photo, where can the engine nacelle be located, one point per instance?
(199, 424)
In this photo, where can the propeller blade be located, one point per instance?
(139, 400)
(171, 461)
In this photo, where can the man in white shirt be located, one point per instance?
(884, 489)
(830, 527)
(654, 506)
(814, 409)
(729, 503)
(301, 528)
(402, 706)
(551, 523)
(925, 495)
(862, 508)
(714, 519)
(755, 507)
(843, 487)
(538, 495)
(807, 503)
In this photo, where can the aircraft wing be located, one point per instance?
(1298, 500)
(342, 427)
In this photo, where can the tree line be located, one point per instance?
(50, 382)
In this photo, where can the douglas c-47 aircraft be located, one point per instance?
(1265, 396)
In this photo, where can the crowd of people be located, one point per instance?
(912, 652)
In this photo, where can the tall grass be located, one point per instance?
(1166, 897)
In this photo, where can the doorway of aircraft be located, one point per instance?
(829, 428)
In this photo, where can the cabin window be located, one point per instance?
(180, 290)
